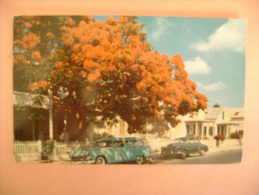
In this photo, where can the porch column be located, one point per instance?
(227, 131)
(202, 130)
(196, 128)
(50, 114)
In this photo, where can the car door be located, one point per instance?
(195, 145)
(109, 152)
(135, 148)
(190, 144)
(130, 150)
(119, 152)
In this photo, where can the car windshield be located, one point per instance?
(179, 140)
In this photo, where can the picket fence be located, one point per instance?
(33, 150)
(28, 150)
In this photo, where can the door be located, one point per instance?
(119, 152)
(193, 145)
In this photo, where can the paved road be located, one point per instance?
(223, 156)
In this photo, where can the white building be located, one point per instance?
(211, 122)
(204, 124)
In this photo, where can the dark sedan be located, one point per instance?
(184, 146)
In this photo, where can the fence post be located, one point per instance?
(39, 148)
(54, 151)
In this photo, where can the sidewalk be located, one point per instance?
(224, 148)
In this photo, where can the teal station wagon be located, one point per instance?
(113, 150)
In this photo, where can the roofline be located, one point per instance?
(199, 120)
(228, 123)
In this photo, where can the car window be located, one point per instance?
(100, 144)
(104, 144)
(188, 141)
(118, 144)
(109, 144)
(134, 143)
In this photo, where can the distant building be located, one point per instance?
(211, 122)
(205, 124)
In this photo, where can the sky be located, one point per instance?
(213, 51)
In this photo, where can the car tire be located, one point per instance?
(139, 159)
(100, 160)
(201, 152)
(183, 154)
(163, 152)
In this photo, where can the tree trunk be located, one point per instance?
(72, 125)
(91, 133)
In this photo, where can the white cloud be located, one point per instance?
(197, 66)
(230, 36)
(212, 87)
(161, 27)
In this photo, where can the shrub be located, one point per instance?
(235, 135)
(219, 137)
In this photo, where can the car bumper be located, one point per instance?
(85, 159)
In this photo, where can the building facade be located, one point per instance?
(205, 123)
(213, 121)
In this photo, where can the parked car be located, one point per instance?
(113, 150)
(184, 146)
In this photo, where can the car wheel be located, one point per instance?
(100, 160)
(139, 159)
(163, 152)
(201, 152)
(183, 154)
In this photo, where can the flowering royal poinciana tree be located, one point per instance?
(108, 69)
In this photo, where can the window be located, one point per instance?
(205, 131)
(118, 144)
(211, 131)
(104, 144)
(134, 143)
(109, 144)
